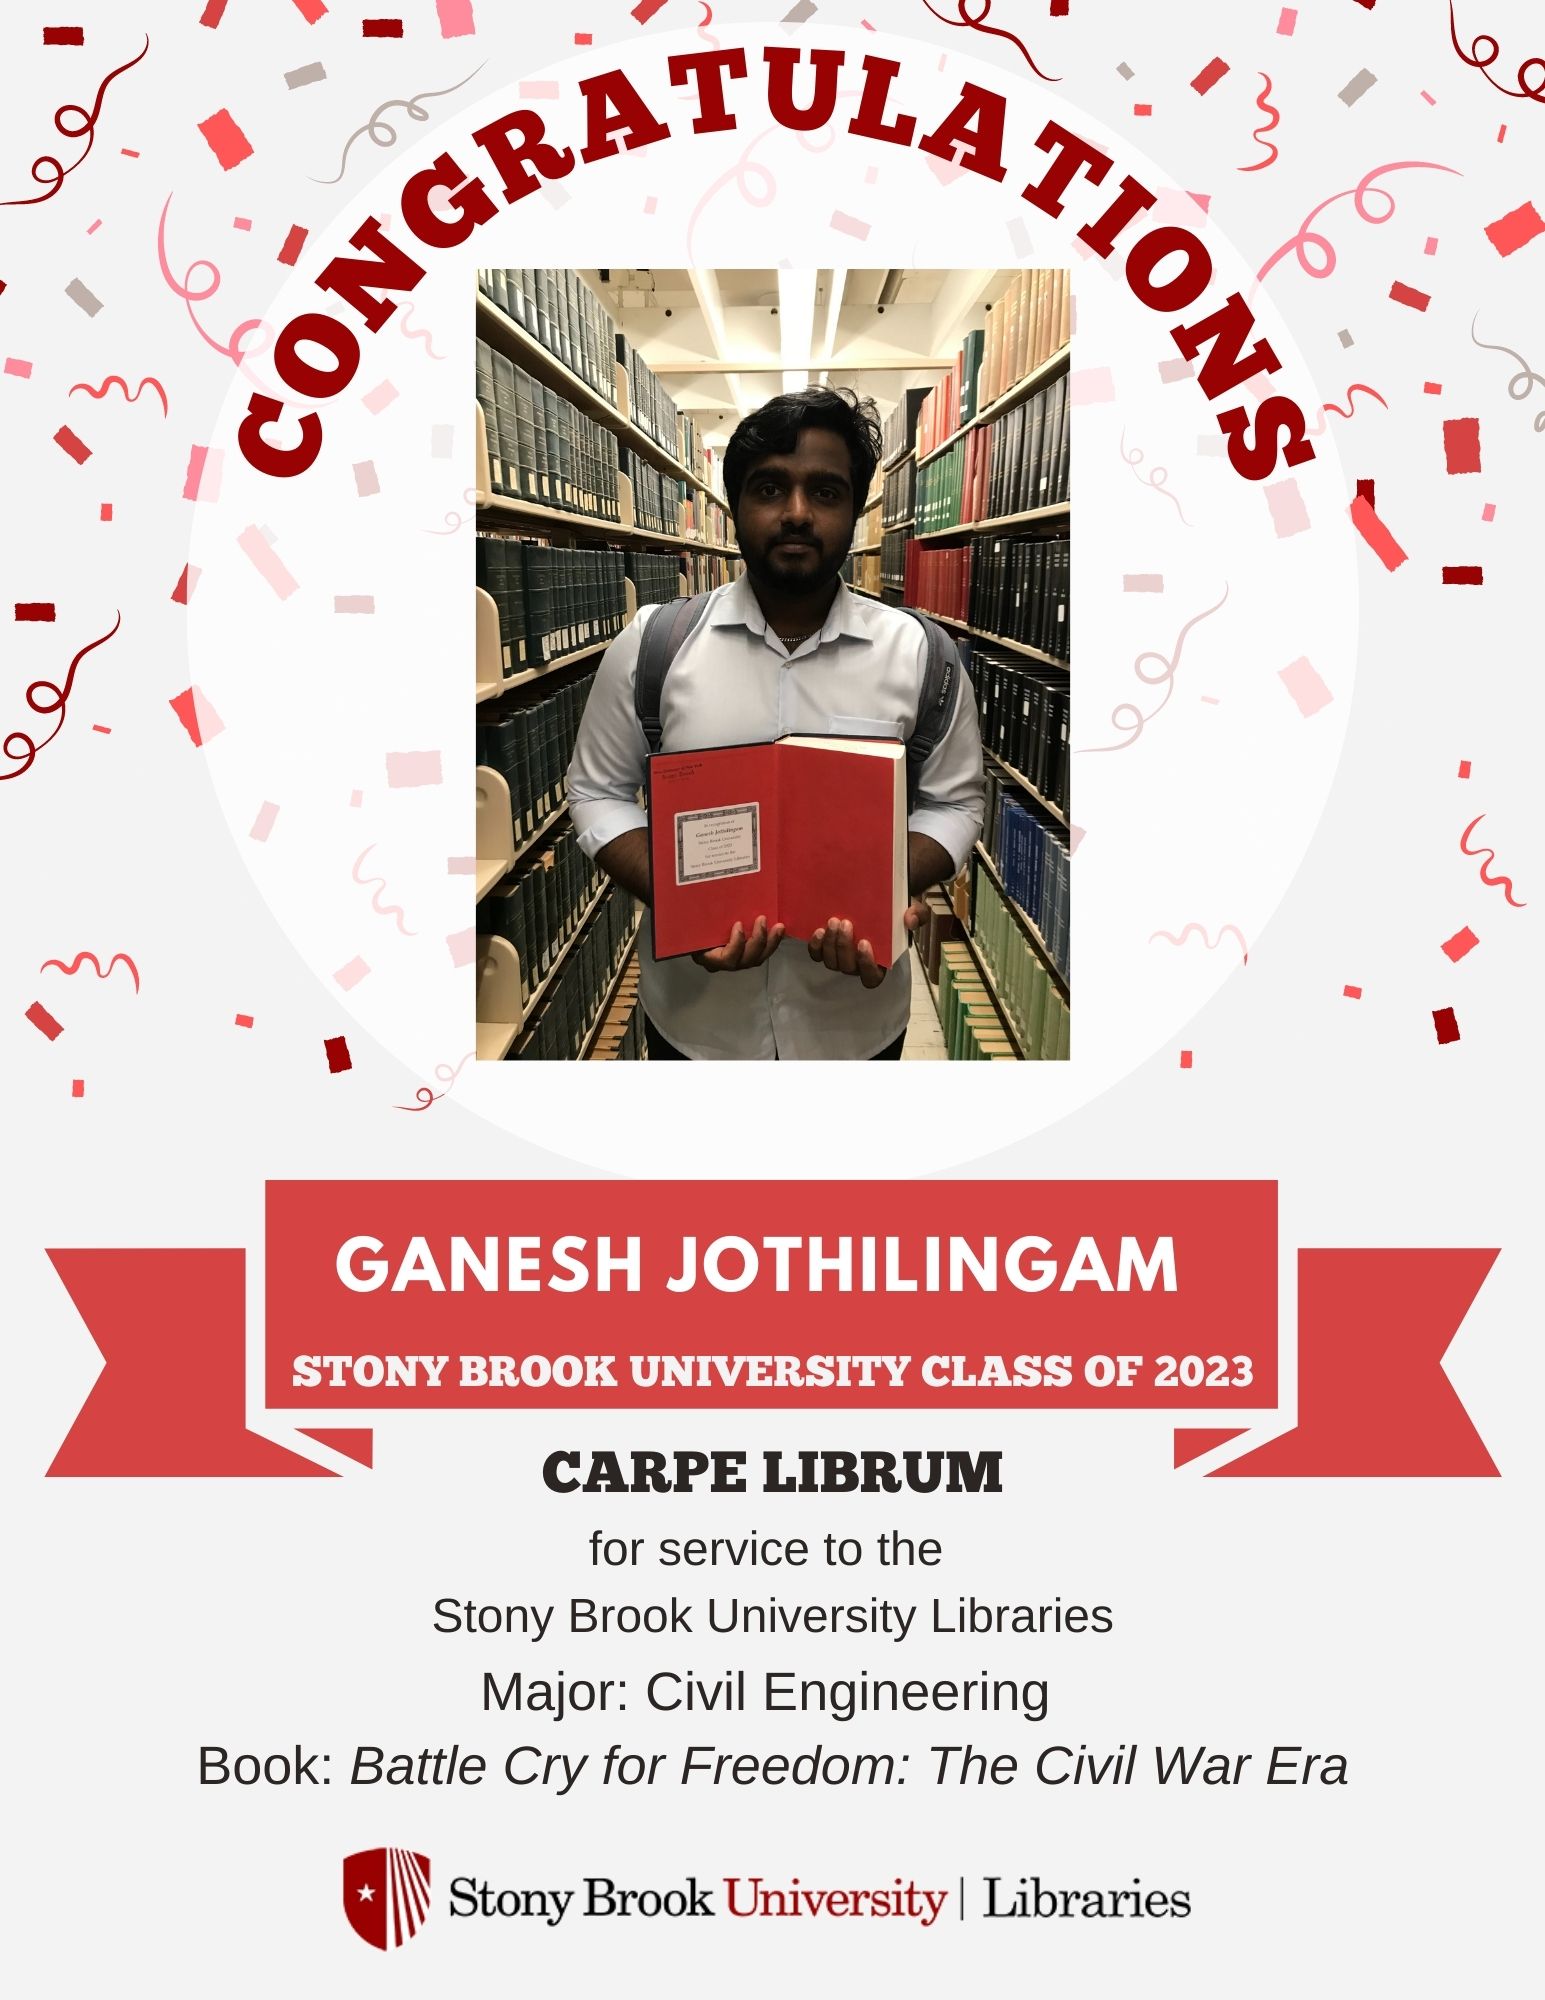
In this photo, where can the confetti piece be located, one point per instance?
(338, 1057)
(202, 480)
(244, 1020)
(297, 79)
(43, 1021)
(1376, 535)
(1501, 134)
(1305, 686)
(1344, 337)
(106, 513)
(15, 366)
(366, 484)
(1464, 573)
(1462, 444)
(1408, 295)
(412, 767)
(1204, 80)
(1287, 20)
(1464, 767)
(255, 548)
(348, 976)
(376, 400)
(1430, 247)
(1176, 370)
(1142, 583)
(364, 606)
(646, 10)
(540, 86)
(1289, 516)
(1363, 81)
(34, 614)
(1142, 110)
(1125, 73)
(311, 11)
(213, 13)
(63, 38)
(66, 440)
(293, 243)
(225, 139)
(1489, 512)
(1444, 1025)
(1091, 385)
(1351, 992)
(381, 30)
(356, 798)
(1185, 1058)
(93, 227)
(78, 1086)
(1365, 492)
(263, 825)
(195, 712)
(185, 583)
(583, 41)
(462, 946)
(850, 225)
(241, 222)
(1512, 231)
(456, 19)
(1461, 942)
(1432, 388)
(100, 729)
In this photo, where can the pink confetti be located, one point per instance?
(356, 798)
(1289, 516)
(1287, 20)
(1489, 511)
(366, 484)
(194, 710)
(406, 768)
(1149, 582)
(1512, 231)
(651, 203)
(44, 1022)
(1214, 72)
(293, 243)
(1091, 385)
(379, 397)
(540, 87)
(14, 365)
(93, 227)
(1376, 535)
(1352, 992)
(1461, 942)
(225, 139)
(254, 546)
(338, 1057)
(349, 976)
(202, 481)
(1445, 1026)
(1430, 247)
(66, 440)
(456, 19)
(1462, 444)
(361, 605)
(263, 825)
(462, 946)
(849, 225)
(1305, 686)
(1176, 370)
(244, 1020)
(185, 583)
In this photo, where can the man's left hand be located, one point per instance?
(835, 947)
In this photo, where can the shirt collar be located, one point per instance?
(736, 604)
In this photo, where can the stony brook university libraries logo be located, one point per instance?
(386, 1895)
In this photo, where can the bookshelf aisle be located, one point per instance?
(594, 495)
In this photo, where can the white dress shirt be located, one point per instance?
(733, 682)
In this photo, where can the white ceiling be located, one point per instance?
(723, 341)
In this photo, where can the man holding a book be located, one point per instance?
(783, 847)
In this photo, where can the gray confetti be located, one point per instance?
(1344, 337)
(800, 11)
(1364, 80)
(88, 301)
(297, 79)
(1123, 71)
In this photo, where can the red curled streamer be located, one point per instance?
(979, 21)
(1259, 134)
(86, 131)
(44, 698)
(90, 958)
(1502, 882)
(1533, 92)
(129, 395)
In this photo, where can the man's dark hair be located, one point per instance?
(774, 429)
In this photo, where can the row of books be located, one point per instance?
(540, 447)
(551, 601)
(704, 571)
(1023, 712)
(900, 503)
(560, 311)
(573, 1003)
(973, 1028)
(656, 496)
(862, 571)
(540, 907)
(622, 1036)
(1031, 854)
(1025, 989)
(1017, 462)
(705, 518)
(656, 578)
(1008, 586)
(527, 736)
(649, 406)
(1029, 322)
(953, 403)
(893, 558)
(899, 429)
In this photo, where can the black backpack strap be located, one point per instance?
(936, 703)
(664, 636)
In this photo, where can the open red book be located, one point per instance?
(800, 830)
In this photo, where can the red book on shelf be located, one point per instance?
(796, 831)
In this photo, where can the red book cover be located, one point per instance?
(796, 831)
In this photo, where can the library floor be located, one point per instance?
(925, 1038)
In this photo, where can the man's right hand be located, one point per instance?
(742, 952)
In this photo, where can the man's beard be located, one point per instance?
(797, 582)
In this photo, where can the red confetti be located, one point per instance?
(194, 711)
(100, 729)
(1365, 492)
(1142, 110)
(1462, 444)
(1204, 80)
(338, 1057)
(381, 30)
(78, 1086)
(64, 38)
(1444, 1024)
(244, 1020)
(1376, 535)
(66, 440)
(1512, 231)
(1463, 573)
(1058, 8)
(1185, 1058)
(185, 583)
(1462, 941)
(106, 513)
(293, 243)
(1408, 295)
(1464, 767)
(225, 139)
(1352, 992)
(43, 1021)
(34, 614)
(1432, 388)
(646, 10)
(210, 18)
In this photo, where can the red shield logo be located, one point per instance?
(386, 1895)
